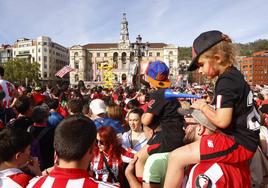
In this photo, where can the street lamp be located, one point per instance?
(139, 50)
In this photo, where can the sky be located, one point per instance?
(178, 22)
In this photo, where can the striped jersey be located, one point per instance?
(13, 178)
(67, 178)
(101, 173)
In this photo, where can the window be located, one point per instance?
(76, 64)
(45, 49)
(45, 58)
(39, 58)
(76, 78)
(45, 74)
(105, 54)
(150, 54)
(39, 50)
(98, 54)
(45, 65)
(32, 50)
(158, 54)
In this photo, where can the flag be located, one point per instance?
(66, 69)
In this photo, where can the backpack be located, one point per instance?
(35, 145)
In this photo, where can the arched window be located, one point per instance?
(76, 60)
(115, 77)
(115, 57)
(124, 58)
(131, 56)
(76, 78)
(124, 77)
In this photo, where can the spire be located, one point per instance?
(124, 35)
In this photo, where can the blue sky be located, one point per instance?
(179, 22)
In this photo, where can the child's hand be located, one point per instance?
(47, 171)
(131, 166)
(33, 166)
(199, 104)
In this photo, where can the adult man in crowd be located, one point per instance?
(74, 143)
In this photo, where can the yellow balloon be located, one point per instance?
(107, 73)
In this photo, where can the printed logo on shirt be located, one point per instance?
(203, 181)
(218, 101)
(210, 144)
(150, 103)
(250, 99)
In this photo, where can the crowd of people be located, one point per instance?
(85, 136)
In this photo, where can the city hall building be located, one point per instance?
(87, 60)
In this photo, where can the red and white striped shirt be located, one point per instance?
(13, 178)
(67, 178)
(8, 88)
(219, 175)
(101, 173)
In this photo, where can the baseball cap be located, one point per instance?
(198, 116)
(157, 73)
(97, 106)
(202, 43)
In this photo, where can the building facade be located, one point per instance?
(5, 53)
(50, 55)
(255, 68)
(86, 59)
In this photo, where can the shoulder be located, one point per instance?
(157, 161)
(37, 181)
(126, 135)
(21, 179)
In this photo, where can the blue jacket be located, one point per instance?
(100, 122)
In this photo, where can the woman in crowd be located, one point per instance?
(109, 156)
(135, 138)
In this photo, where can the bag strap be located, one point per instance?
(41, 134)
(108, 168)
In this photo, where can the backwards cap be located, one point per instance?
(202, 43)
(198, 116)
(157, 73)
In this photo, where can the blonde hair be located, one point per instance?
(226, 49)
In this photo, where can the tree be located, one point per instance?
(185, 53)
(18, 70)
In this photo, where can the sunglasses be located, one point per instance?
(99, 142)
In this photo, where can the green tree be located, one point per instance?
(185, 53)
(17, 70)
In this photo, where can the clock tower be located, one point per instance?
(124, 35)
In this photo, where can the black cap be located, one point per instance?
(202, 43)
